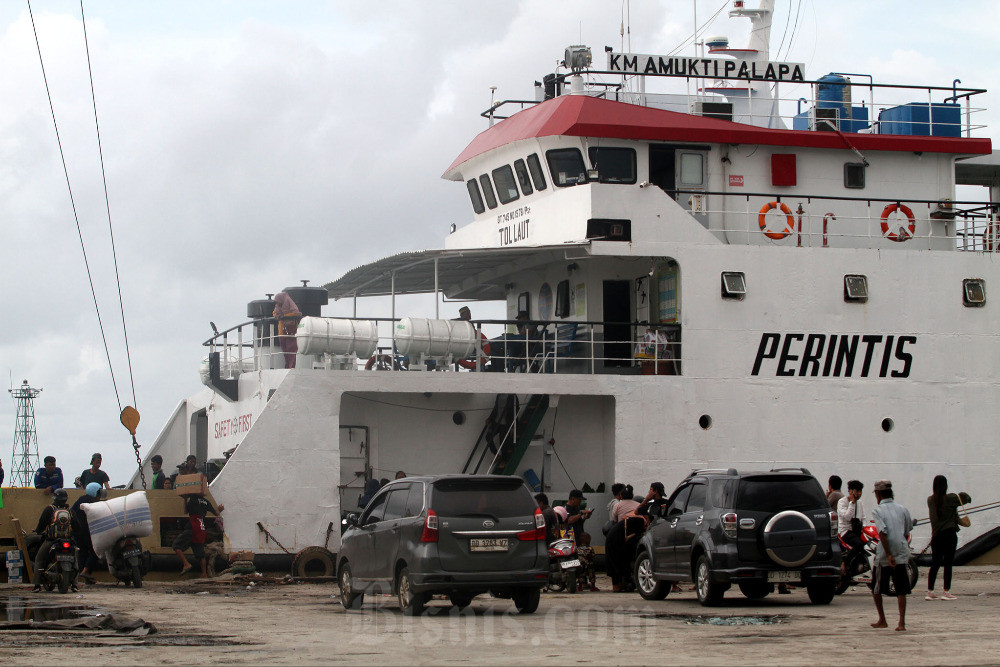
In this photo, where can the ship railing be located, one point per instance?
(851, 106)
(828, 221)
(507, 346)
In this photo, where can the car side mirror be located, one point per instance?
(351, 520)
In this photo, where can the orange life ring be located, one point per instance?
(904, 232)
(484, 356)
(789, 220)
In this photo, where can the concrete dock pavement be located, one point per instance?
(202, 622)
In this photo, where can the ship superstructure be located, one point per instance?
(751, 268)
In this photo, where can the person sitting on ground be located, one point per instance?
(88, 559)
(49, 477)
(586, 553)
(156, 463)
(95, 474)
(194, 535)
(55, 523)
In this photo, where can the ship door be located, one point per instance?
(618, 315)
(680, 171)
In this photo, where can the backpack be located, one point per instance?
(61, 527)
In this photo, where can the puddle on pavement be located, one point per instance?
(17, 608)
(695, 619)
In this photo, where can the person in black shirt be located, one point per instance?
(576, 516)
(81, 532)
(45, 528)
(194, 535)
(551, 521)
(95, 474)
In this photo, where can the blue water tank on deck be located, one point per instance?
(831, 92)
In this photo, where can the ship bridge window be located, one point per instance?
(614, 165)
(503, 178)
(566, 165)
(854, 175)
(522, 177)
(477, 199)
(491, 199)
(537, 175)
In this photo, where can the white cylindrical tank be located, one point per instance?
(330, 335)
(417, 336)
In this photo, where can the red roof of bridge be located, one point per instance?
(585, 116)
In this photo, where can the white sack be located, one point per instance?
(122, 516)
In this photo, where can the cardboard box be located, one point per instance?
(15, 580)
(191, 485)
(14, 557)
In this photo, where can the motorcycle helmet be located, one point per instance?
(561, 513)
(60, 497)
(93, 489)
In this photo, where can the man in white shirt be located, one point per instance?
(851, 519)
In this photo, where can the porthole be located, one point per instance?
(458, 418)
(887, 424)
(705, 421)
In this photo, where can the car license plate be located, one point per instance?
(567, 564)
(131, 552)
(488, 544)
(64, 558)
(784, 577)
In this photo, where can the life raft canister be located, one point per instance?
(904, 232)
(789, 220)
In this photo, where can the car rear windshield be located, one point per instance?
(494, 498)
(776, 493)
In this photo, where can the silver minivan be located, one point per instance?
(459, 535)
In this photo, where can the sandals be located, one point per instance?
(186, 569)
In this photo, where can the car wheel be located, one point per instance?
(348, 598)
(709, 592)
(460, 600)
(821, 592)
(526, 600)
(410, 602)
(756, 590)
(649, 587)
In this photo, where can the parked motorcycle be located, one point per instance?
(127, 562)
(861, 567)
(62, 568)
(564, 566)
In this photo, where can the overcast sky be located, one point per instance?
(249, 145)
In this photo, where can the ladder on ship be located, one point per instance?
(507, 434)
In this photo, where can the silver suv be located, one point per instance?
(460, 535)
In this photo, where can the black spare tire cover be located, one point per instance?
(790, 538)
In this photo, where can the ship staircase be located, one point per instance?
(506, 435)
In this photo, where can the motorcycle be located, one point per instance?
(62, 568)
(127, 563)
(564, 566)
(863, 564)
